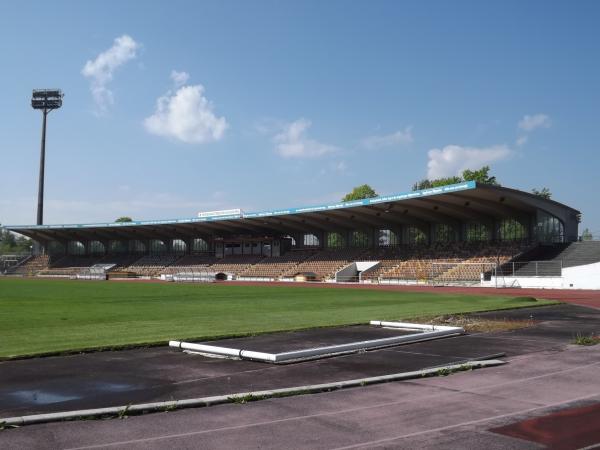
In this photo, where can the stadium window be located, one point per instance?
(179, 246)
(96, 248)
(56, 248)
(477, 232)
(549, 228)
(512, 230)
(117, 247)
(416, 236)
(136, 246)
(75, 248)
(359, 239)
(444, 233)
(387, 238)
(233, 249)
(311, 240)
(292, 240)
(157, 247)
(335, 240)
(199, 245)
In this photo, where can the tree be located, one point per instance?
(124, 219)
(481, 176)
(544, 193)
(359, 193)
(587, 235)
(427, 184)
(9, 243)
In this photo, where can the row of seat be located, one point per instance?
(402, 262)
(31, 266)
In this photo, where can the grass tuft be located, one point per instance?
(581, 339)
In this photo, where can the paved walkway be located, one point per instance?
(447, 412)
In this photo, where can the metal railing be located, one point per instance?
(531, 269)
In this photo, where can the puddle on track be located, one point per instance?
(40, 397)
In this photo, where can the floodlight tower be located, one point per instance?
(45, 100)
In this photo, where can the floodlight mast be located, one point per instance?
(45, 100)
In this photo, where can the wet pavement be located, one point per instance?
(145, 375)
(462, 411)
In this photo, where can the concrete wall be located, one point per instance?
(578, 277)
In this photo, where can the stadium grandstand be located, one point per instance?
(465, 233)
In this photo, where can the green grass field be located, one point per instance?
(42, 316)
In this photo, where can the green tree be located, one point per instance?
(427, 184)
(481, 176)
(587, 235)
(124, 219)
(359, 193)
(544, 192)
(9, 243)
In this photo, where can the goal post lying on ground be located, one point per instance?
(416, 333)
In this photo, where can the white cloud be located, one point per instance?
(292, 142)
(522, 140)
(186, 115)
(340, 166)
(530, 123)
(453, 159)
(100, 70)
(398, 138)
(179, 78)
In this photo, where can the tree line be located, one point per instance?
(11, 243)
(481, 175)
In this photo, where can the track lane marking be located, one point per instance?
(466, 423)
(451, 392)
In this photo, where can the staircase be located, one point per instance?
(549, 259)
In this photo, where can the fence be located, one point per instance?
(471, 274)
(531, 269)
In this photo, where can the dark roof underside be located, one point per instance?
(466, 202)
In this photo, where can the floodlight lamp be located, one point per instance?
(46, 99)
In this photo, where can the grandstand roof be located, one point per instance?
(455, 203)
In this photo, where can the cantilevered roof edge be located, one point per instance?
(467, 185)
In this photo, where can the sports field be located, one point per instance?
(42, 316)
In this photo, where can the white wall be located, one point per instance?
(578, 277)
(582, 277)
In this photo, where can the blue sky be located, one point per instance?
(175, 107)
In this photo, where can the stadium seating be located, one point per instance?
(235, 265)
(273, 267)
(151, 265)
(324, 264)
(119, 261)
(440, 262)
(192, 263)
(69, 265)
(451, 261)
(30, 266)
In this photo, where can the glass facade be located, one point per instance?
(359, 239)
(549, 228)
(388, 238)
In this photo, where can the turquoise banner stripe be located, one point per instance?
(278, 212)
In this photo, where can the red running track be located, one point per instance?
(580, 297)
(587, 298)
(569, 429)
